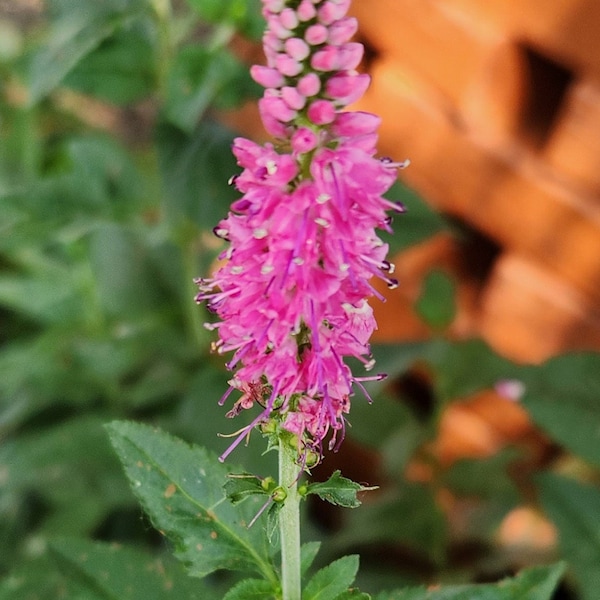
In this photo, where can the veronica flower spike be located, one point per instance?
(292, 294)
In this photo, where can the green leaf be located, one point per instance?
(437, 304)
(353, 595)
(195, 170)
(455, 371)
(112, 571)
(40, 579)
(198, 78)
(537, 583)
(122, 273)
(238, 487)
(308, 552)
(251, 589)
(486, 478)
(384, 520)
(72, 36)
(338, 490)
(575, 510)
(416, 225)
(71, 467)
(562, 398)
(242, 14)
(120, 70)
(332, 580)
(181, 489)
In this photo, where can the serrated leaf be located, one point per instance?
(437, 303)
(112, 571)
(251, 589)
(537, 583)
(308, 553)
(332, 580)
(562, 397)
(181, 489)
(575, 510)
(338, 490)
(238, 487)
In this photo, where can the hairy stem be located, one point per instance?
(289, 524)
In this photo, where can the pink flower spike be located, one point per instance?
(273, 126)
(304, 140)
(291, 292)
(321, 112)
(288, 66)
(278, 109)
(306, 11)
(288, 18)
(277, 28)
(326, 59)
(309, 85)
(298, 49)
(342, 31)
(274, 6)
(293, 98)
(351, 124)
(347, 88)
(316, 34)
(350, 56)
(333, 10)
(266, 76)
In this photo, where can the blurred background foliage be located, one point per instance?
(113, 171)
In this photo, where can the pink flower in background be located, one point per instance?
(292, 294)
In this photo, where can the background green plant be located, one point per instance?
(113, 171)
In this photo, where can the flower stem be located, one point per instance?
(289, 524)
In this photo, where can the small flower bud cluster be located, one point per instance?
(292, 292)
(311, 68)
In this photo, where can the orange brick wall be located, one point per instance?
(497, 104)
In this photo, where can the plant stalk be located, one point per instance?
(289, 524)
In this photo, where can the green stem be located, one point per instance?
(289, 524)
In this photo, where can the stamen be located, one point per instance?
(271, 167)
(260, 233)
(221, 232)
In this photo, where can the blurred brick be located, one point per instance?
(574, 148)
(530, 314)
(509, 195)
(245, 121)
(527, 527)
(496, 101)
(464, 434)
(396, 318)
(447, 52)
(566, 30)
